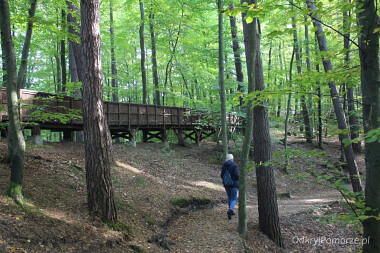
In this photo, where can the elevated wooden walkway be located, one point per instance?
(124, 119)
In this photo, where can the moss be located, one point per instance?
(118, 226)
(15, 192)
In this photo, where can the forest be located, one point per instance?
(116, 117)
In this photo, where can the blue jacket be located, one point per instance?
(233, 170)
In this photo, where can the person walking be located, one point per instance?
(230, 177)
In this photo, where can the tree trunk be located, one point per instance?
(237, 57)
(169, 65)
(308, 66)
(352, 119)
(262, 152)
(222, 90)
(156, 97)
(21, 79)
(370, 83)
(249, 31)
(115, 96)
(342, 125)
(305, 113)
(319, 94)
(98, 146)
(281, 82)
(287, 116)
(269, 63)
(58, 69)
(16, 142)
(63, 53)
(142, 53)
(75, 64)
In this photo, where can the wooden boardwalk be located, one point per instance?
(124, 119)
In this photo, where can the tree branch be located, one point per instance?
(328, 26)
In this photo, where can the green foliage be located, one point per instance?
(141, 181)
(115, 180)
(371, 136)
(79, 173)
(44, 109)
(357, 211)
(119, 226)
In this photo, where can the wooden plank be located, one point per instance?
(147, 115)
(129, 115)
(179, 121)
(118, 114)
(171, 116)
(138, 115)
(71, 107)
(155, 115)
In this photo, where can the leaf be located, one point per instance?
(249, 19)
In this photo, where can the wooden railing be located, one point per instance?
(117, 114)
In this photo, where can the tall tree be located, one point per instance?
(222, 90)
(75, 64)
(281, 82)
(237, 57)
(142, 52)
(370, 83)
(250, 49)
(342, 125)
(262, 152)
(114, 84)
(156, 97)
(58, 58)
(169, 65)
(308, 67)
(352, 119)
(63, 51)
(305, 112)
(21, 78)
(98, 145)
(16, 141)
(75, 60)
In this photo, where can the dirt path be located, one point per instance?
(147, 180)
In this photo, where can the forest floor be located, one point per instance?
(147, 182)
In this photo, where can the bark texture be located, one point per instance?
(16, 142)
(250, 49)
(262, 152)
(98, 146)
(370, 80)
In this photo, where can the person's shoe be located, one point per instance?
(229, 214)
(232, 212)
